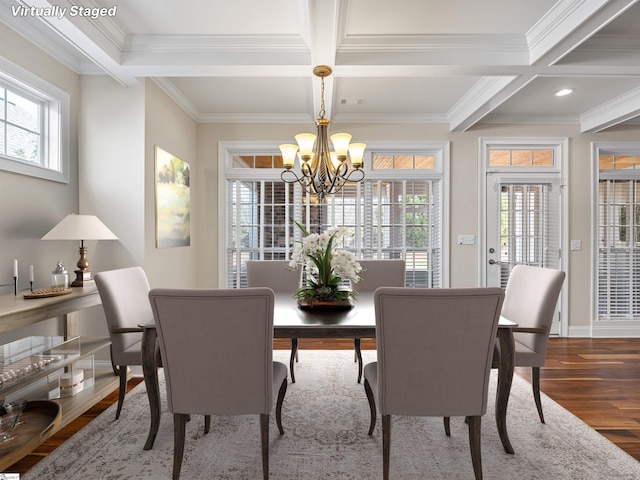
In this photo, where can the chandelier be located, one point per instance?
(323, 172)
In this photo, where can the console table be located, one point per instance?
(17, 312)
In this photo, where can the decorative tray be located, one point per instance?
(47, 292)
(40, 418)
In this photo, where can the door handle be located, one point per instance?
(493, 262)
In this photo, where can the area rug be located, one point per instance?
(326, 416)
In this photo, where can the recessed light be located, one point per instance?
(563, 92)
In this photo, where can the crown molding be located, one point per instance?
(377, 118)
(530, 119)
(253, 118)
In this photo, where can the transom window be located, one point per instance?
(34, 125)
(521, 158)
(403, 162)
(619, 162)
(391, 214)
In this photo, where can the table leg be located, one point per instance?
(150, 372)
(294, 353)
(505, 378)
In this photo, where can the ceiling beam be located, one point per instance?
(618, 110)
(322, 33)
(567, 25)
(481, 99)
(100, 41)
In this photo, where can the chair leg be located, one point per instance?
(372, 405)
(386, 445)
(123, 389)
(294, 355)
(281, 393)
(116, 370)
(264, 440)
(179, 421)
(535, 383)
(447, 426)
(207, 423)
(474, 444)
(356, 345)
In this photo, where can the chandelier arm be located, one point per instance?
(295, 179)
(341, 170)
(359, 171)
(305, 182)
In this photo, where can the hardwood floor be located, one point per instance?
(598, 380)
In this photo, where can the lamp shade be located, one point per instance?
(80, 227)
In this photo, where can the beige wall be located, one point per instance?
(170, 128)
(32, 206)
(465, 181)
(119, 130)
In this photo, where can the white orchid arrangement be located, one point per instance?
(326, 265)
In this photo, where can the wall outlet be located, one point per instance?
(466, 239)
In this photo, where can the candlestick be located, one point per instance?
(15, 285)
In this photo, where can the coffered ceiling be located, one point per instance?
(459, 62)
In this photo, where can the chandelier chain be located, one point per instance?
(322, 111)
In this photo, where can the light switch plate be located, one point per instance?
(466, 239)
(576, 245)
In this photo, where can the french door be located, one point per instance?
(523, 219)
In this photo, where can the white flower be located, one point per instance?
(313, 248)
(345, 265)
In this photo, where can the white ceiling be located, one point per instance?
(460, 62)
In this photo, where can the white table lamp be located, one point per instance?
(80, 227)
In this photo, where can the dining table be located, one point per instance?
(291, 321)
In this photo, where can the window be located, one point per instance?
(396, 212)
(34, 125)
(618, 232)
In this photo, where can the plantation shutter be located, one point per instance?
(618, 249)
(529, 235)
(390, 219)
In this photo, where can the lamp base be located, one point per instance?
(83, 279)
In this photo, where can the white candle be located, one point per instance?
(15, 268)
(31, 273)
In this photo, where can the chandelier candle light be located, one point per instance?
(323, 172)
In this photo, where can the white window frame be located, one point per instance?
(55, 124)
(440, 151)
(610, 327)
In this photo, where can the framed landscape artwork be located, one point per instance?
(173, 201)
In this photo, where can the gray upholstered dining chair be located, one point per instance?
(199, 332)
(125, 299)
(279, 277)
(434, 350)
(375, 274)
(530, 300)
